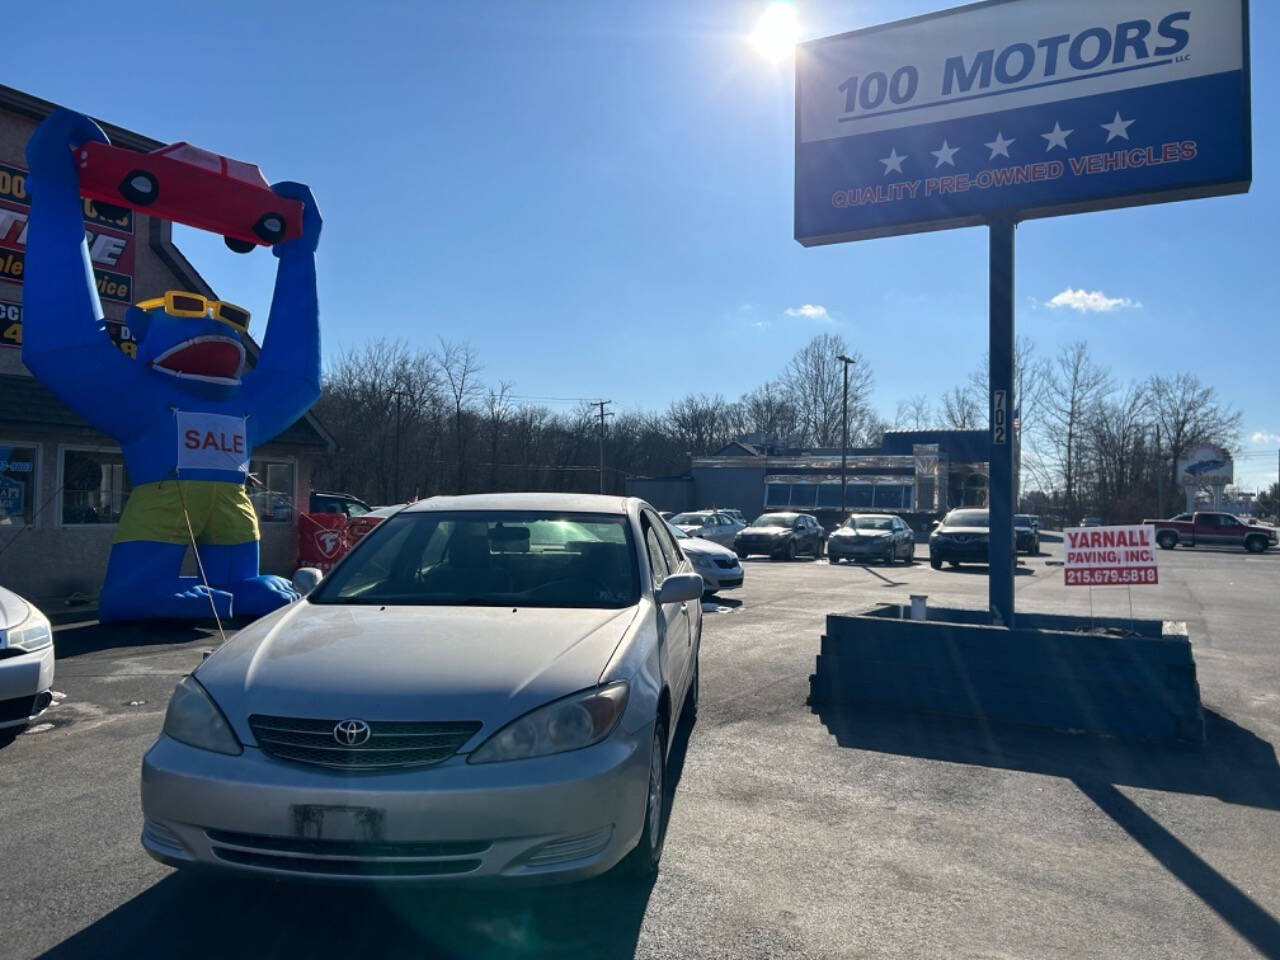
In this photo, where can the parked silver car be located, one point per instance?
(718, 566)
(485, 687)
(26, 661)
(714, 525)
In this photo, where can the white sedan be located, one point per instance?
(713, 525)
(718, 566)
(26, 661)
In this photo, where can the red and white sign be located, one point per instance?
(212, 441)
(1111, 556)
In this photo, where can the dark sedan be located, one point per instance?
(877, 536)
(782, 536)
(963, 537)
(1026, 534)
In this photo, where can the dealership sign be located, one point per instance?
(1013, 109)
(1111, 556)
(1206, 464)
(110, 239)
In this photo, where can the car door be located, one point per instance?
(899, 541)
(673, 618)
(724, 530)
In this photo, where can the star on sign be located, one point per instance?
(1117, 128)
(999, 147)
(1057, 137)
(893, 162)
(946, 155)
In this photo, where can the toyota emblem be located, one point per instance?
(351, 733)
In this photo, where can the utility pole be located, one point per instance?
(601, 404)
(1159, 476)
(844, 442)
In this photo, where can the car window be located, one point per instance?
(1227, 520)
(657, 559)
(670, 552)
(356, 509)
(495, 558)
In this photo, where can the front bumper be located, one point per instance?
(759, 545)
(26, 682)
(548, 819)
(949, 551)
(717, 579)
(841, 548)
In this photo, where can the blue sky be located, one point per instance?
(597, 195)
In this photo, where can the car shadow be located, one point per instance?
(717, 600)
(78, 639)
(981, 569)
(203, 916)
(1234, 766)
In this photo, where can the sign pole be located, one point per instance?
(1000, 487)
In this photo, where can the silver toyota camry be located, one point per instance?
(486, 687)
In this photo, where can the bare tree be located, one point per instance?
(815, 386)
(960, 411)
(497, 407)
(1188, 413)
(700, 423)
(1073, 388)
(767, 410)
(914, 413)
(460, 369)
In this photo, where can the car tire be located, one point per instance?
(236, 245)
(819, 550)
(140, 188)
(790, 553)
(935, 563)
(1255, 543)
(641, 865)
(270, 228)
(1167, 539)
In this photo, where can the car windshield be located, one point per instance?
(968, 518)
(774, 520)
(489, 559)
(1021, 521)
(869, 523)
(690, 519)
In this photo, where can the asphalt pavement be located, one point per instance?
(791, 834)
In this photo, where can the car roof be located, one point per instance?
(568, 502)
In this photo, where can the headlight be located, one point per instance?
(34, 633)
(700, 560)
(569, 724)
(194, 719)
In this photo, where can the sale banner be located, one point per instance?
(1111, 556)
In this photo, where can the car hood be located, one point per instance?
(846, 532)
(490, 664)
(705, 547)
(765, 531)
(13, 609)
(965, 531)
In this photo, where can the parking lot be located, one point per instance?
(792, 834)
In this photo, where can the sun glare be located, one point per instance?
(776, 31)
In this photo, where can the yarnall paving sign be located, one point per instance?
(1111, 556)
(1019, 109)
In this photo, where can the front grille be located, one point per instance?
(730, 584)
(392, 744)
(313, 847)
(19, 708)
(726, 563)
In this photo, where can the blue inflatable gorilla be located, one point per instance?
(185, 411)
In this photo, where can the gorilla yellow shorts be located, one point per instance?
(220, 513)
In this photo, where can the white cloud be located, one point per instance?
(809, 311)
(1263, 438)
(1091, 301)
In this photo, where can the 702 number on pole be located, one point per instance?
(999, 417)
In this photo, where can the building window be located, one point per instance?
(829, 496)
(804, 496)
(860, 495)
(777, 495)
(892, 496)
(270, 486)
(95, 487)
(17, 485)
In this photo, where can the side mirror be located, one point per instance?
(680, 587)
(305, 579)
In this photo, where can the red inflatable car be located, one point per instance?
(192, 186)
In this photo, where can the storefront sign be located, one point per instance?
(1013, 109)
(1111, 556)
(12, 498)
(111, 240)
(11, 329)
(1206, 464)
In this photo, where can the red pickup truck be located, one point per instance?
(1213, 529)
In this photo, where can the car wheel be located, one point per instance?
(139, 188)
(236, 245)
(1255, 544)
(819, 550)
(695, 691)
(270, 228)
(641, 864)
(1167, 540)
(955, 564)
(935, 563)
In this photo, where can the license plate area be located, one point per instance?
(313, 821)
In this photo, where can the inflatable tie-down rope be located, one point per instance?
(186, 412)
